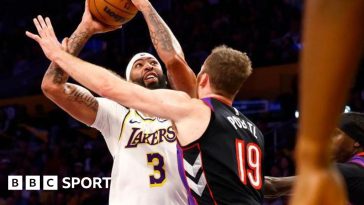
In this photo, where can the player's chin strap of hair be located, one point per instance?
(352, 125)
(132, 61)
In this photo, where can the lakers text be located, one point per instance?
(51, 182)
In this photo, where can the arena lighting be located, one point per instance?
(346, 110)
(297, 114)
(256, 106)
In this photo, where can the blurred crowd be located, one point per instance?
(52, 143)
(269, 31)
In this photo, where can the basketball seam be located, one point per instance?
(118, 8)
(97, 10)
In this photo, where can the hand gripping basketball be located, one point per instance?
(112, 12)
(93, 25)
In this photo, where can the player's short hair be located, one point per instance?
(352, 124)
(227, 69)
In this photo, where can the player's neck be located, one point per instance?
(221, 98)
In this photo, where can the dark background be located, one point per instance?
(51, 142)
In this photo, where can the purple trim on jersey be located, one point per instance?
(357, 159)
(181, 170)
(207, 101)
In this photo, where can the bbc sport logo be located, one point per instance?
(50, 182)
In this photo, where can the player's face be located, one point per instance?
(343, 146)
(148, 73)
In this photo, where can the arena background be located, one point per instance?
(37, 138)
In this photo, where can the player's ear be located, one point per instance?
(204, 79)
(357, 145)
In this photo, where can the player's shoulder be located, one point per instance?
(350, 170)
(111, 108)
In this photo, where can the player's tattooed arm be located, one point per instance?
(81, 95)
(162, 37)
(87, 27)
(75, 43)
(180, 75)
(74, 99)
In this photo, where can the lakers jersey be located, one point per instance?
(224, 166)
(144, 149)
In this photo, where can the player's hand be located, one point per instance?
(140, 4)
(316, 187)
(65, 46)
(46, 37)
(92, 25)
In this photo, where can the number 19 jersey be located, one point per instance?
(224, 166)
(144, 149)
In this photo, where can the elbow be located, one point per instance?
(48, 87)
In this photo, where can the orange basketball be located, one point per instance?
(112, 12)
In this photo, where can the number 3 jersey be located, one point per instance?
(224, 166)
(145, 168)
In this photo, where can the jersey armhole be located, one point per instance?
(125, 120)
(212, 118)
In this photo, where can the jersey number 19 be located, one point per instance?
(249, 154)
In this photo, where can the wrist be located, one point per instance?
(142, 7)
(56, 55)
(87, 30)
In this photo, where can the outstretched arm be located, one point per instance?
(74, 99)
(275, 187)
(111, 86)
(180, 75)
(163, 103)
(107, 84)
(333, 42)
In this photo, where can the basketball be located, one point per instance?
(112, 12)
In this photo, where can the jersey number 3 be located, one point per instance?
(250, 155)
(158, 178)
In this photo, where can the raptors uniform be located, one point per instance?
(145, 168)
(224, 166)
(353, 173)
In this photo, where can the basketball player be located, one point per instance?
(333, 42)
(223, 150)
(348, 152)
(144, 148)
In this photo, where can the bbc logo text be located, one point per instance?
(51, 182)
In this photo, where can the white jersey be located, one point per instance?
(145, 168)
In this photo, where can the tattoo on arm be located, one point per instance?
(81, 95)
(59, 76)
(76, 43)
(160, 34)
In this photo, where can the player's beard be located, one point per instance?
(161, 83)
